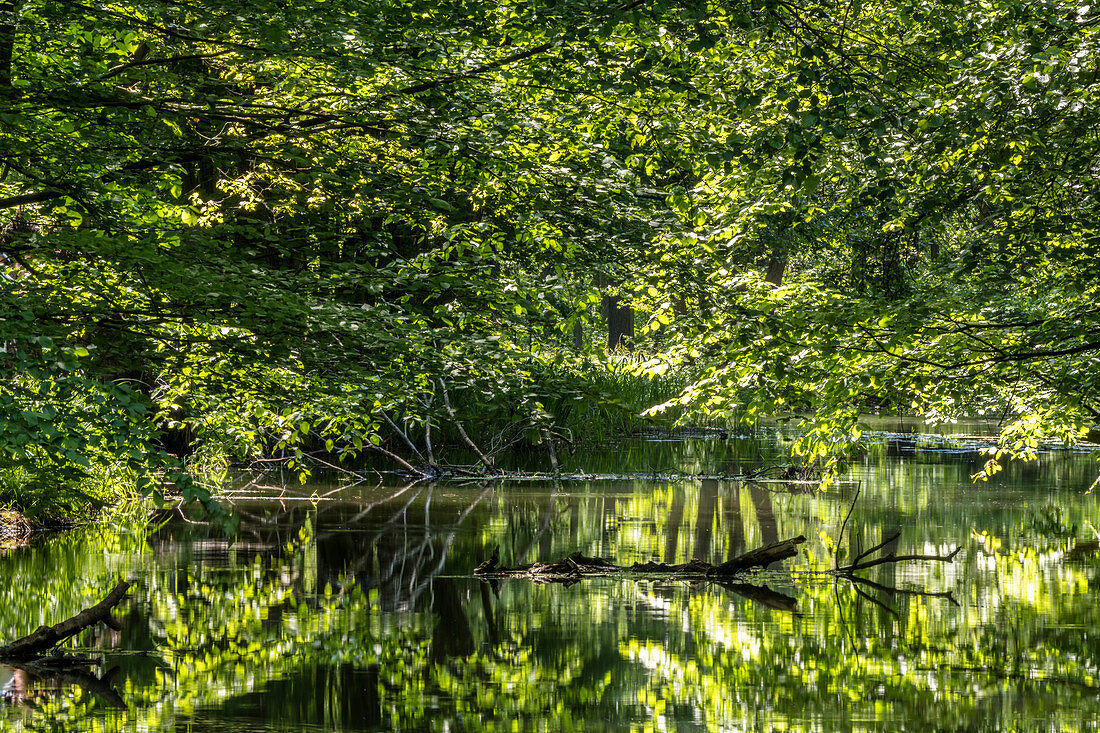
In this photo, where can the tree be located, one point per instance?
(280, 228)
(269, 228)
(933, 165)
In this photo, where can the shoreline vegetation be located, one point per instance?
(605, 410)
(534, 460)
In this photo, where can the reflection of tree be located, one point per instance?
(608, 525)
(765, 515)
(543, 534)
(339, 615)
(452, 636)
(704, 520)
(672, 526)
(390, 543)
(736, 529)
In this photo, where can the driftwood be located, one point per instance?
(45, 638)
(575, 566)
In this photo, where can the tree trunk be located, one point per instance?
(777, 266)
(620, 323)
(9, 19)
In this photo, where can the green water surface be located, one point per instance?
(354, 607)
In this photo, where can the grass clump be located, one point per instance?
(605, 398)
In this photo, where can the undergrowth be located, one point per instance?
(44, 500)
(610, 396)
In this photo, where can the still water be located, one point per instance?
(353, 607)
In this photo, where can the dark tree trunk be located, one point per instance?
(9, 19)
(777, 266)
(620, 323)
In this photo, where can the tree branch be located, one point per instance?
(29, 198)
(891, 558)
(118, 69)
(47, 637)
(451, 78)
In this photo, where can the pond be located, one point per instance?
(354, 608)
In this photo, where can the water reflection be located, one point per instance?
(355, 609)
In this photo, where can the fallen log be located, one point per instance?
(572, 567)
(760, 557)
(45, 638)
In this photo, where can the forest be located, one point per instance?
(549, 365)
(275, 230)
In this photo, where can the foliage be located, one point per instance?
(920, 173)
(273, 225)
(267, 230)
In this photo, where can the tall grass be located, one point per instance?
(46, 501)
(605, 399)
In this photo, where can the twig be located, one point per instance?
(402, 433)
(550, 449)
(334, 467)
(879, 546)
(840, 536)
(396, 459)
(427, 401)
(428, 440)
(898, 558)
(461, 430)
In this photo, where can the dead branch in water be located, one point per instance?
(576, 566)
(45, 638)
(890, 557)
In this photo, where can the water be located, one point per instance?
(355, 609)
